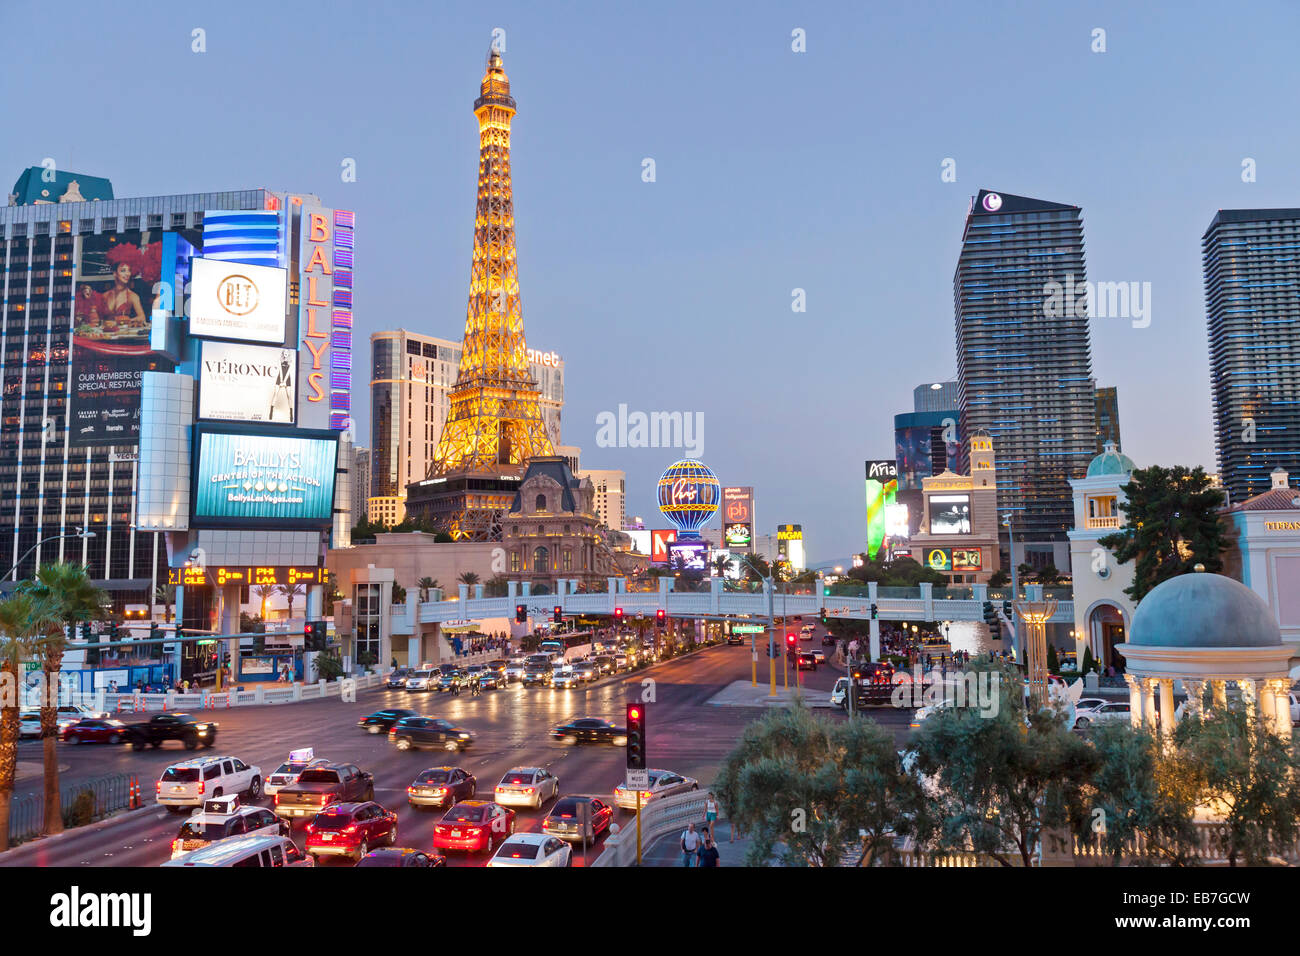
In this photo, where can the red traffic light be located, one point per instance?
(633, 714)
(790, 639)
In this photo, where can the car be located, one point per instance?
(221, 818)
(348, 829)
(818, 656)
(590, 730)
(620, 661)
(381, 720)
(606, 663)
(402, 856)
(414, 733)
(485, 676)
(1112, 711)
(526, 787)
(92, 730)
(257, 849)
(441, 787)
(474, 826)
(498, 666)
(839, 693)
(924, 713)
(566, 679)
(536, 674)
(514, 670)
(806, 632)
(663, 783)
(586, 670)
(191, 783)
(69, 714)
(828, 639)
(533, 849)
(318, 787)
(736, 639)
(451, 681)
(287, 773)
(574, 817)
(804, 660)
(396, 678)
(29, 725)
(160, 728)
(1089, 703)
(422, 679)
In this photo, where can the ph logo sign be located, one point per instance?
(237, 294)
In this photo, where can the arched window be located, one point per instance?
(541, 559)
(541, 502)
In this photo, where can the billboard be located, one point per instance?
(954, 559)
(325, 256)
(789, 545)
(950, 514)
(659, 541)
(738, 506)
(115, 279)
(882, 488)
(688, 555)
(738, 534)
(243, 478)
(235, 300)
(248, 383)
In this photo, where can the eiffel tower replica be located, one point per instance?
(494, 424)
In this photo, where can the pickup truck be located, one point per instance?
(163, 727)
(318, 787)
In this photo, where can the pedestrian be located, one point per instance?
(690, 845)
(709, 854)
(711, 812)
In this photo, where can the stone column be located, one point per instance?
(1250, 696)
(1167, 718)
(1149, 702)
(1219, 690)
(1267, 703)
(1282, 696)
(1134, 700)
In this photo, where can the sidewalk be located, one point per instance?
(742, 693)
(667, 851)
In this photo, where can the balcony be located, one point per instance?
(1111, 522)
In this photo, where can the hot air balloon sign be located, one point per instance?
(689, 495)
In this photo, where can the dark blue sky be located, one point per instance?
(775, 171)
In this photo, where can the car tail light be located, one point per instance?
(157, 787)
(202, 788)
(277, 799)
(351, 829)
(176, 845)
(528, 790)
(410, 790)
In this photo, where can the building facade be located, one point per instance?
(1024, 360)
(1107, 418)
(1251, 274)
(1264, 553)
(959, 519)
(360, 483)
(610, 486)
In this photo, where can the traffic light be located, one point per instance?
(873, 612)
(989, 615)
(1006, 609)
(790, 640)
(661, 617)
(521, 613)
(313, 636)
(557, 616)
(618, 615)
(636, 737)
(825, 620)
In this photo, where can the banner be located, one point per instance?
(248, 383)
(243, 479)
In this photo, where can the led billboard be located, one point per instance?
(881, 489)
(116, 274)
(660, 539)
(738, 534)
(688, 555)
(235, 300)
(954, 559)
(248, 383)
(247, 478)
(950, 514)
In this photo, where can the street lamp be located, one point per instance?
(79, 533)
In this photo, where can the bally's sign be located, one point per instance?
(235, 300)
(248, 383)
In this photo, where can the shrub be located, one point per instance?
(81, 811)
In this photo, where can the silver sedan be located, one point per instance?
(526, 787)
(662, 783)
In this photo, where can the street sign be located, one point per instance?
(747, 629)
(638, 779)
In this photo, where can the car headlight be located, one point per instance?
(464, 736)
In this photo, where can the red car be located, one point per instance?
(350, 829)
(93, 730)
(474, 825)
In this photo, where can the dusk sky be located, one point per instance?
(775, 171)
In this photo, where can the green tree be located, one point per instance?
(365, 529)
(399, 594)
(1053, 661)
(20, 631)
(1089, 662)
(1249, 775)
(164, 594)
(999, 579)
(804, 788)
(722, 564)
(1138, 792)
(999, 780)
(66, 597)
(1049, 576)
(1171, 525)
(264, 593)
(497, 586)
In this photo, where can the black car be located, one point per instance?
(162, 727)
(735, 639)
(591, 730)
(413, 733)
(398, 677)
(441, 787)
(402, 856)
(828, 640)
(536, 674)
(381, 720)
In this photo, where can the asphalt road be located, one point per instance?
(685, 734)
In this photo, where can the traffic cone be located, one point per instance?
(133, 794)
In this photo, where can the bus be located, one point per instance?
(570, 647)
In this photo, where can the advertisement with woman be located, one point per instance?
(115, 280)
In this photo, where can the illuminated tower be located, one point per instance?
(495, 423)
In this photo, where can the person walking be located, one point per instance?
(709, 854)
(711, 812)
(690, 845)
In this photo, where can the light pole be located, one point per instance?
(1008, 522)
(79, 533)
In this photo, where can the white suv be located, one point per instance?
(191, 782)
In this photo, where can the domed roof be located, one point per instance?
(1206, 611)
(1110, 462)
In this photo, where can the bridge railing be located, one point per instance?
(659, 818)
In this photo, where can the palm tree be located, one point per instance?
(164, 594)
(290, 591)
(17, 615)
(66, 597)
(469, 577)
(264, 591)
(722, 564)
(426, 584)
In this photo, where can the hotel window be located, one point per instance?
(541, 559)
(514, 560)
(568, 559)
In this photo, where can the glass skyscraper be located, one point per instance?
(1252, 283)
(1024, 368)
